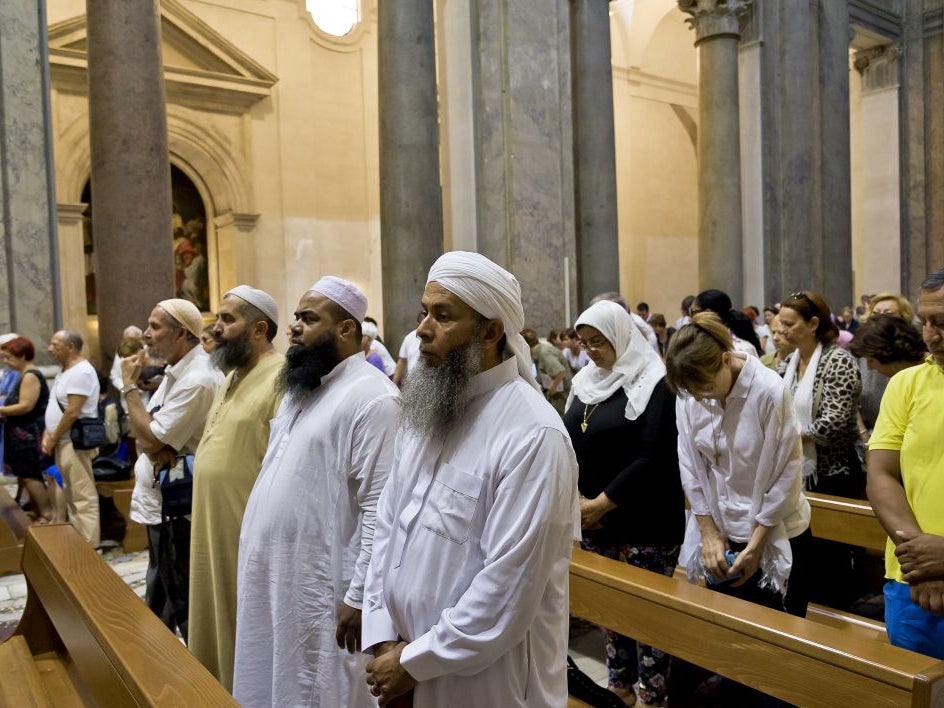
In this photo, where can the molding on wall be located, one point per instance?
(875, 16)
(657, 88)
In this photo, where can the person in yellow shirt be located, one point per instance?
(906, 487)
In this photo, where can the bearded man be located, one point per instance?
(226, 466)
(467, 592)
(306, 536)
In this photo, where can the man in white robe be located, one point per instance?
(466, 600)
(306, 536)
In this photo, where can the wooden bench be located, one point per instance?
(85, 638)
(806, 663)
(13, 525)
(850, 521)
(135, 534)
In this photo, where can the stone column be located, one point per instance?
(594, 152)
(876, 204)
(716, 24)
(131, 196)
(411, 222)
(29, 304)
(521, 85)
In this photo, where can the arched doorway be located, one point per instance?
(189, 242)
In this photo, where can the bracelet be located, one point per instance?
(128, 389)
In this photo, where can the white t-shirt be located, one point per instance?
(577, 361)
(410, 350)
(81, 380)
(184, 399)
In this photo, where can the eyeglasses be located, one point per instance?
(593, 344)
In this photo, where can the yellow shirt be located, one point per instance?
(911, 421)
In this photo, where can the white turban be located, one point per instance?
(491, 291)
(637, 370)
(369, 329)
(185, 313)
(259, 299)
(345, 294)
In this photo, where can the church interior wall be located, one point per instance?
(291, 184)
(656, 113)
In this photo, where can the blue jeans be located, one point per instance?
(909, 626)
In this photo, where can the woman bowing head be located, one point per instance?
(621, 420)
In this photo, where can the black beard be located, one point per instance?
(305, 365)
(232, 354)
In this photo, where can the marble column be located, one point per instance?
(522, 112)
(594, 152)
(131, 194)
(717, 30)
(29, 304)
(411, 221)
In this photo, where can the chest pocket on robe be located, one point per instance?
(451, 503)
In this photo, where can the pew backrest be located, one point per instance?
(118, 651)
(13, 525)
(803, 662)
(849, 521)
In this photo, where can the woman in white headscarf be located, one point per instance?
(621, 420)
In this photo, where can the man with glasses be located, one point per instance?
(906, 487)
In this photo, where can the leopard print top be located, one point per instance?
(836, 389)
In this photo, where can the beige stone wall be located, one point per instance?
(290, 181)
(656, 113)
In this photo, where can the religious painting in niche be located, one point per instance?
(189, 238)
(336, 17)
(190, 241)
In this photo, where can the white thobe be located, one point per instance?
(306, 539)
(472, 551)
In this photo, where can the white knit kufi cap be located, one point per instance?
(345, 294)
(185, 313)
(259, 299)
(491, 291)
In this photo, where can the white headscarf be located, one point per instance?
(491, 291)
(637, 369)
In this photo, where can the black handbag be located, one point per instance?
(176, 483)
(87, 433)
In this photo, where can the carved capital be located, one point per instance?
(714, 18)
(878, 66)
(69, 214)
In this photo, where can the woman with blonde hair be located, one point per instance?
(740, 460)
(889, 303)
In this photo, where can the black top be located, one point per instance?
(39, 410)
(636, 463)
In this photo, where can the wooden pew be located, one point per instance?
(135, 534)
(13, 525)
(803, 662)
(849, 521)
(85, 639)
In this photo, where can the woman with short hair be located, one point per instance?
(23, 412)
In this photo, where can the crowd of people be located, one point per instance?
(336, 526)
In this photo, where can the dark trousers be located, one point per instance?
(168, 574)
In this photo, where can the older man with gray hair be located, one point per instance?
(466, 597)
(170, 427)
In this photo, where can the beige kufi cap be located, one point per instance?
(185, 312)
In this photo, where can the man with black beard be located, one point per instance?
(466, 596)
(226, 466)
(307, 533)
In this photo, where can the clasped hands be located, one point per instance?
(385, 674)
(921, 556)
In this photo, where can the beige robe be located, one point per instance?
(227, 463)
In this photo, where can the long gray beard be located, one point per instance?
(434, 398)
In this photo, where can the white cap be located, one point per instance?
(259, 299)
(345, 294)
(9, 337)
